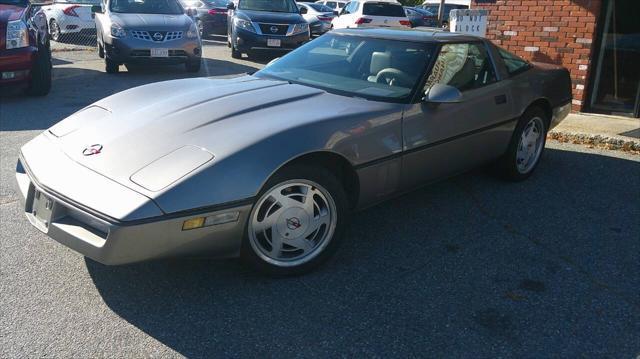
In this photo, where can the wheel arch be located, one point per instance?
(336, 164)
(545, 105)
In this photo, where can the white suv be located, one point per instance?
(371, 13)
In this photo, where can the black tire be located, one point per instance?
(110, 66)
(234, 52)
(202, 29)
(100, 50)
(193, 66)
(507, 166)
(335, 190)
(54, 30)
(40, 83)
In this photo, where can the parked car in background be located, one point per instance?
(433, 8)
(146, 31)
(210, 16)
(270, 166)
(318, 16)
(265, 25)
(420, 17)
(337, 6)
(70, 17)
(25, 56)
(371, 13)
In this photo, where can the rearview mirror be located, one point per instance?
(191, 12)
(303, 10)
(231, 6)
(96, 9)
(440, 93)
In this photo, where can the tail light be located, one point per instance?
(71, 10)
(405, 23)
(217, 12)
(325, 18)
(363, 20)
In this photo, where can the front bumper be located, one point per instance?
(132, 50)
(80, 217)
(247, 40)
(16, 64)
(559, 114)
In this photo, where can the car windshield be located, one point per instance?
(382, 9)
(167, 7)
(15, 2)
(320, 7)
(217, 3)
(377, 69)
(268, 5)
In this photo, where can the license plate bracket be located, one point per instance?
(159, 52)
(42, 208)
(274, 42)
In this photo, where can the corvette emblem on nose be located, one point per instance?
(92, 150)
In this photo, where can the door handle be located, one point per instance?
(501, 99)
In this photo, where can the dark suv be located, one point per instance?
(25, 57)
(265, 25)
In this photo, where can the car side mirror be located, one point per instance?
(440, 93)
(303, 10)
(231, 6)
(336, 13)
(96, 9)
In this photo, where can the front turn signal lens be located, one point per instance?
(193, 223)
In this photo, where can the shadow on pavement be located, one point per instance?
(74, 88)
(469, 265)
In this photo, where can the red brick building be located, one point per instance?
(597, 40)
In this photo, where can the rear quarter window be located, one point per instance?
(381, 9)
(513, 63)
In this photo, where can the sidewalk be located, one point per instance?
(610, 132)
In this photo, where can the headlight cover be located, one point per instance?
(17, 35)
(117, 31)
(244, 24)
(300, 28)
(192, 33)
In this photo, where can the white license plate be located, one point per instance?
(42, 208)
(274, 42)
(159, 52)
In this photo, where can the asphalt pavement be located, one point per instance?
(469, 267)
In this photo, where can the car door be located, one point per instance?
(344, 18)
(444, 139)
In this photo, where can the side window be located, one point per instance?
(464, 66)
(513, 63)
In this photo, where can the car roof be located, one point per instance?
(404, 34)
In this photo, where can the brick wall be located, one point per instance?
(555, 31)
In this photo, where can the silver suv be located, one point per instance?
(146, 31)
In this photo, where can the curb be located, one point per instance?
(620, 143)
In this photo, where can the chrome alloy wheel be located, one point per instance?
(292, 223)
(530, 145)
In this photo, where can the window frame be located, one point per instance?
(506, 68)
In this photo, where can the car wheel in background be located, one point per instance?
(111, 66)
(54, 30)
(193, 66)
(201, 28)
(297, 221)
(526, 146)
(235, 53)
(100, 50)
(40, 83)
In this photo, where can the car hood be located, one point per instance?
(151, 21)
(10, 13)
(137, 127)
(270, 17)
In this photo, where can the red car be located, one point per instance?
(25, 56)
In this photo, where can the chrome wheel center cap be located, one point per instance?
(293, 223)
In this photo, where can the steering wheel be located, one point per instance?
(394, 77)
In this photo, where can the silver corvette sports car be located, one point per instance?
(269, 166)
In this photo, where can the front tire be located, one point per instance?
(111, 67)
(297, 221)
(526, 146)
(54, 30)
(235, 53)
(40, 83)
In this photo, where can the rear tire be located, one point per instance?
(297, 221)
(40, 83)
(111, 67)
(526, 146)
